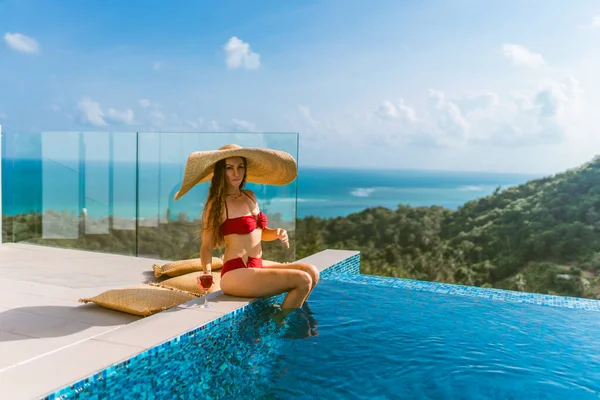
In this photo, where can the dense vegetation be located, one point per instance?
(542, 236)
(176, 240)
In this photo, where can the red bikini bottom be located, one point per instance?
(236, 263)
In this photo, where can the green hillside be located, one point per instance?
(542, 236)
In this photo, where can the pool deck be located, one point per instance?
(48, 339)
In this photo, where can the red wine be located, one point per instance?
(206, 281)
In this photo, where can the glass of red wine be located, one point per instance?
(205, 281)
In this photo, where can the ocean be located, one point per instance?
(39, 185)
(329, 193)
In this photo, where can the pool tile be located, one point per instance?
(350, 265)
(474, 291)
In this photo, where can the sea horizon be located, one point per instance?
(345, 168)
(324, 192)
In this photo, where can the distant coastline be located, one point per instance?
(321, 192)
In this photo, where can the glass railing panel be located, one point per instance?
(60, 205)
(98, 200)
(62, 185)
(170, 229)
(21, 180)
(80, 186)
(96, 182)
(113, 192)
(149, 188)
(6, 200)
(123, 183)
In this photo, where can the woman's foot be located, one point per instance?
(278, 318)
(299, 323)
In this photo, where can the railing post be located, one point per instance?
(1, 185)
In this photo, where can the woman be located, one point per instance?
(232, 218)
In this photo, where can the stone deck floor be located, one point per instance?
(48, 339)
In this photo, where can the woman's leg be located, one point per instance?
(267, 282)
(308, 268)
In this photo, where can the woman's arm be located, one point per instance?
(269, 234)
(208, 245)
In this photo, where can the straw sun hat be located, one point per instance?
(264, 166)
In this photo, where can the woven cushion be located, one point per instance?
(189, 283)
(181, 267)
(141, 300)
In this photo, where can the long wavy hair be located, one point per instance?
(216, 197)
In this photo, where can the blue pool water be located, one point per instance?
(355, 340)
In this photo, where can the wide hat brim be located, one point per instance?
(264, 166)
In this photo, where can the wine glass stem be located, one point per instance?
(205, 297)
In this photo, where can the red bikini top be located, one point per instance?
(244, 224)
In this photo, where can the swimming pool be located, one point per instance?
(373, 337)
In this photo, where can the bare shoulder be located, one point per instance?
(251, 194)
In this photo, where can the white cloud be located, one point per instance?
(157, 118)
(387, 109)
(316, 132)
(550, 114)
(154, 115)
(314, 125)
(91, 113)
(201, 125)
(596, 21)
(126, 117)
(448, 119)
(22, 43)
(239, 55)
(521, 56)
(477, 100)
(239, 125)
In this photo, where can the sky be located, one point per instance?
(501, 86)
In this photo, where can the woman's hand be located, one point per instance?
(283, 236)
